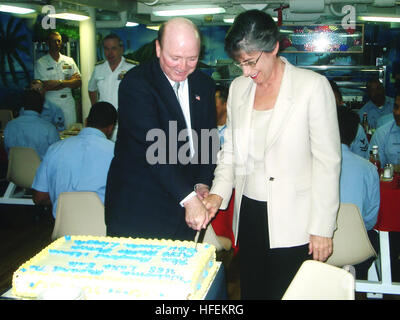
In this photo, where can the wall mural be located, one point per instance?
(16, 64)
(17, 51)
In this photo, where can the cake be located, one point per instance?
(119, 268)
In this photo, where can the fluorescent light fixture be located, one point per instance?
(231, 20)
(14, 9)
(172, 11)
(69, 16)
(155, 28)
(379, 18)
(131, 24)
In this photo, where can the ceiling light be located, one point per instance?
(131, 24)
(171, 11)
(155, 28)
(14, 9)
(380, 19)
(69, 16)
(231, 20)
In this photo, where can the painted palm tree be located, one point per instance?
(11, 43)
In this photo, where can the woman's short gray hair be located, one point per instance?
(252, 30)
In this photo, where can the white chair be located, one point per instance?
(22, 165)
(320, 281)
(351, 244)
(79, 213)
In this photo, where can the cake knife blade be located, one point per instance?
(200, 237)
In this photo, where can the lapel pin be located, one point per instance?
(197, 97)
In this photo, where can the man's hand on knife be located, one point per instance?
(196, 214)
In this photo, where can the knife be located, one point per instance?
(200, 237)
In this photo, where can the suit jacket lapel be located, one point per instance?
(243, 127)
(168, 95)
(192, 103)
(283, 105)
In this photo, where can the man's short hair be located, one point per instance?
(397, 94)
(52, 33)
(113, 36)
(223, 92)
(348, 124)
(32, 100)
(374, 79)
(101, 115)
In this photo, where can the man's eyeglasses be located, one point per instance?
(250, 64)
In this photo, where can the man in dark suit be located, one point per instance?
(157, 163)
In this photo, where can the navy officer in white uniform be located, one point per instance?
(59, 75)
(107, 75)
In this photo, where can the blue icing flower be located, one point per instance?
(67, 238)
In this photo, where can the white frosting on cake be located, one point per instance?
(119, 268)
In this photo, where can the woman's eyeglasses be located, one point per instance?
(250, 64)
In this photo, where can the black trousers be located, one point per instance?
(264, 273)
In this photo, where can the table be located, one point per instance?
(380, 274)
(216, 291)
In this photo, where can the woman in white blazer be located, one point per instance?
(281, 155)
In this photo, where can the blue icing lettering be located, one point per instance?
(90, 248)
(37, 268)
(175, 261)
(119, 257)
(144, 246)
(69, 253)
(178, 252)
(75, 270)
(89, 265)
(138, 252)
(114, 267)
(92, 242)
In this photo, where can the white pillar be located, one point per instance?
(87, 45)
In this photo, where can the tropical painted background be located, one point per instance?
(22, 41)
